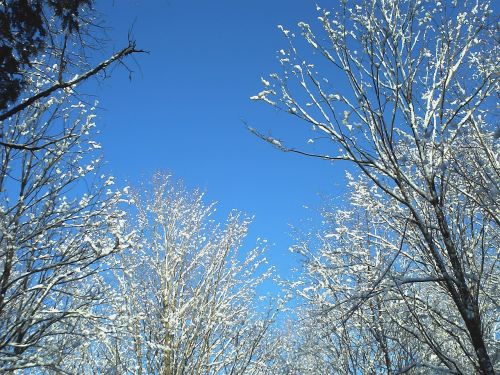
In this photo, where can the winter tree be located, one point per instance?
(65, 30)
(388, 316)
(59, 217)
(24, 33)
(183, 299)
(409, 271)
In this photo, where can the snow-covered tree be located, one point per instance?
(183, 300)
(370, 294)
(30, 27)
(55, 40)
(58, 217)
(407, 275)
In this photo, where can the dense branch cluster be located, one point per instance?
(402, 277)
(181, 298)
(405, 279)
(27, 28)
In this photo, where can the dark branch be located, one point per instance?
(28, 147)
(130, 49)
(279, 145)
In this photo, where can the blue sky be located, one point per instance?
(184, 108)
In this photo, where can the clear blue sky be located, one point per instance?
(183, 110)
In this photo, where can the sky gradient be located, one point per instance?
(185, 109)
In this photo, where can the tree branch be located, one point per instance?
(130, 49)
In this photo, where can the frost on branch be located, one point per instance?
(406, 91)
(183, 298)
(56, 227)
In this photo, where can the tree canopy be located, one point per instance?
(400, 274)
(27, 28)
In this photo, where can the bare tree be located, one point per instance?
(57, 221)
(29, 27)
(413, 108)
(39, 34)
(58, 217)
(183, 298)
(373, 297)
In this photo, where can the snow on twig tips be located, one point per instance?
(263, 96)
